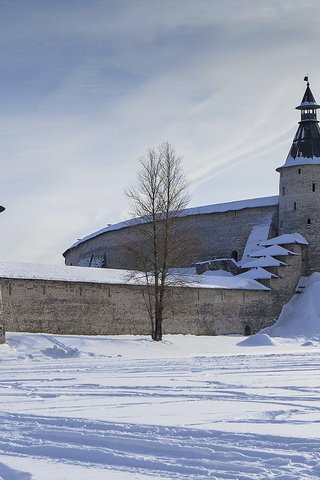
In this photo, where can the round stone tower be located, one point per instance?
(299, 190)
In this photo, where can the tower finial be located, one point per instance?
(306, 79)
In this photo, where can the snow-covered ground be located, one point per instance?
(188, 408)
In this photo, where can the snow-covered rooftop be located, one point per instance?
(263, 262)
(285, 239)
(257, 274)
(227, 282)
(65, 273)
(206, 209)
(273, 251)
(293, 162)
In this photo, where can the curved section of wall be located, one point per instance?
(214, 235)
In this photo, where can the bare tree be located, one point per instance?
(161, 191)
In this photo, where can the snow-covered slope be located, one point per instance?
(300, 317)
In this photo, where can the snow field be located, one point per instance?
(187, 408)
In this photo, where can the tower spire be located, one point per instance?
(308, 99)
(305, 148)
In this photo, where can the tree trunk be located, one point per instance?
(157, 334)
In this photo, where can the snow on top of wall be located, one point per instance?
(231, 206)
(285, 239)
(217, 273)
(300, 317)
(65, 273)
(257, 273)
(206, 209)
(182, 271)
(217, 260)
(30, 271)
(263, 262)
(273, 251)
(292, 162)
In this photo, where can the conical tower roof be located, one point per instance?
(308, 99)
(305, 148)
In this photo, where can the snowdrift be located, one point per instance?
(258, 340)
(300, 317)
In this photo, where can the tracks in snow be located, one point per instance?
(168, 452)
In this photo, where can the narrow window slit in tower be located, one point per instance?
(295, 206)
(283, 190)
(299, 171)
(313, 187)
(309, 221)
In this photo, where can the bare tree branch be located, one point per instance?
(160, 192)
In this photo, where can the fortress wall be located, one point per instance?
(212, 235)
(105, 309)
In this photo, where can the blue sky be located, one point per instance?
(87, 86)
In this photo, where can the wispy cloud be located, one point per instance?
(86, 87)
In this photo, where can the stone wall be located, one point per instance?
(99, 309)
(212, 236)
